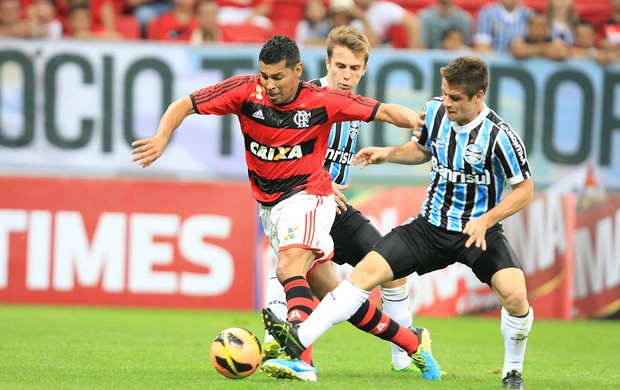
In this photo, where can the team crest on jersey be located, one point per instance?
(473, 154)
(302, 119)
(354, 129)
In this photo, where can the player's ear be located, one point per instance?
(327, 63)
(299, 68)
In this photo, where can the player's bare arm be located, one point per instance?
(400, 116)
(519, 198)
(408, 154)
(147, 150)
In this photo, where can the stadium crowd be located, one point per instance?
(556, 29)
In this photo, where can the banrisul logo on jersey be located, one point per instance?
(459, 176)
(279, 153)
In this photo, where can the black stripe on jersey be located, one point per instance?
(439, 114)
(470, 195)
(224, 87)
(271, 117)
(449, 190)
(492, 194)
(288, 186)
(278, 153)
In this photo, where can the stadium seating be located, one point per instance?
(247, 33)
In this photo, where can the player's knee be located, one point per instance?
(371, 272)
(516, 302)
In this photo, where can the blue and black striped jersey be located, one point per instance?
(470, 165)
(341, 145)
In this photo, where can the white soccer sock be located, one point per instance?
(275, 299)
(337, 306)
(515, 331)
(395, 303)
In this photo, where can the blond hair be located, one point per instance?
(349, 37)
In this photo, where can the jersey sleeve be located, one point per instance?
(510, 150)
(424, 141)
(344, 106)
(222, 98)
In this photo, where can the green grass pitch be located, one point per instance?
(67, 347)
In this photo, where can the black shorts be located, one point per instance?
(353, 236)
(421, 247)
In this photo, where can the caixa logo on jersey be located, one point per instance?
(279, 153)
(473, 154)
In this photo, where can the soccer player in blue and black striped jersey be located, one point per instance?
(473, 153)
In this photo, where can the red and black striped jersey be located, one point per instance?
(285, 145)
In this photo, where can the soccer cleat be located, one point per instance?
(290, 369)
(271, 350)
(513, 380)
(406, 370)
(284, 332)
(423, 357)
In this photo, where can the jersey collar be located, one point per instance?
(473, 124)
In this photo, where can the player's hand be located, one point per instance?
(477, 230)
(370, 155)
(147, 150)
(341, 200)
(418, 125)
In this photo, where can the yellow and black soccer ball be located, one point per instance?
(236, 353)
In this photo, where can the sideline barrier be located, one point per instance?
(190, 244)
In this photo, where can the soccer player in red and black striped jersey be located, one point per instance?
(286, 124)
(348, 52)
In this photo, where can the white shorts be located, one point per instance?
(301, 221)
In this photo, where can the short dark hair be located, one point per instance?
(468, 72)
(280, 48)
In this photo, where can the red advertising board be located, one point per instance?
(597, 259)
(127, 242)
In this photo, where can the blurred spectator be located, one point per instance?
(81, 25)
(586, 46)
(176, 24)
(314, 28)
(105, 12)
(499, 24)
(383, 15)
(346, 13)
(453, 39)
(42, 13)
(440, 17)
(208, 30)
(11, 23)
(610, 28)
(538, 41)
(147, 10)
(561, 15)
(246, 11)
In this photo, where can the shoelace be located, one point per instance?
(513, 379)
(419, 361)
